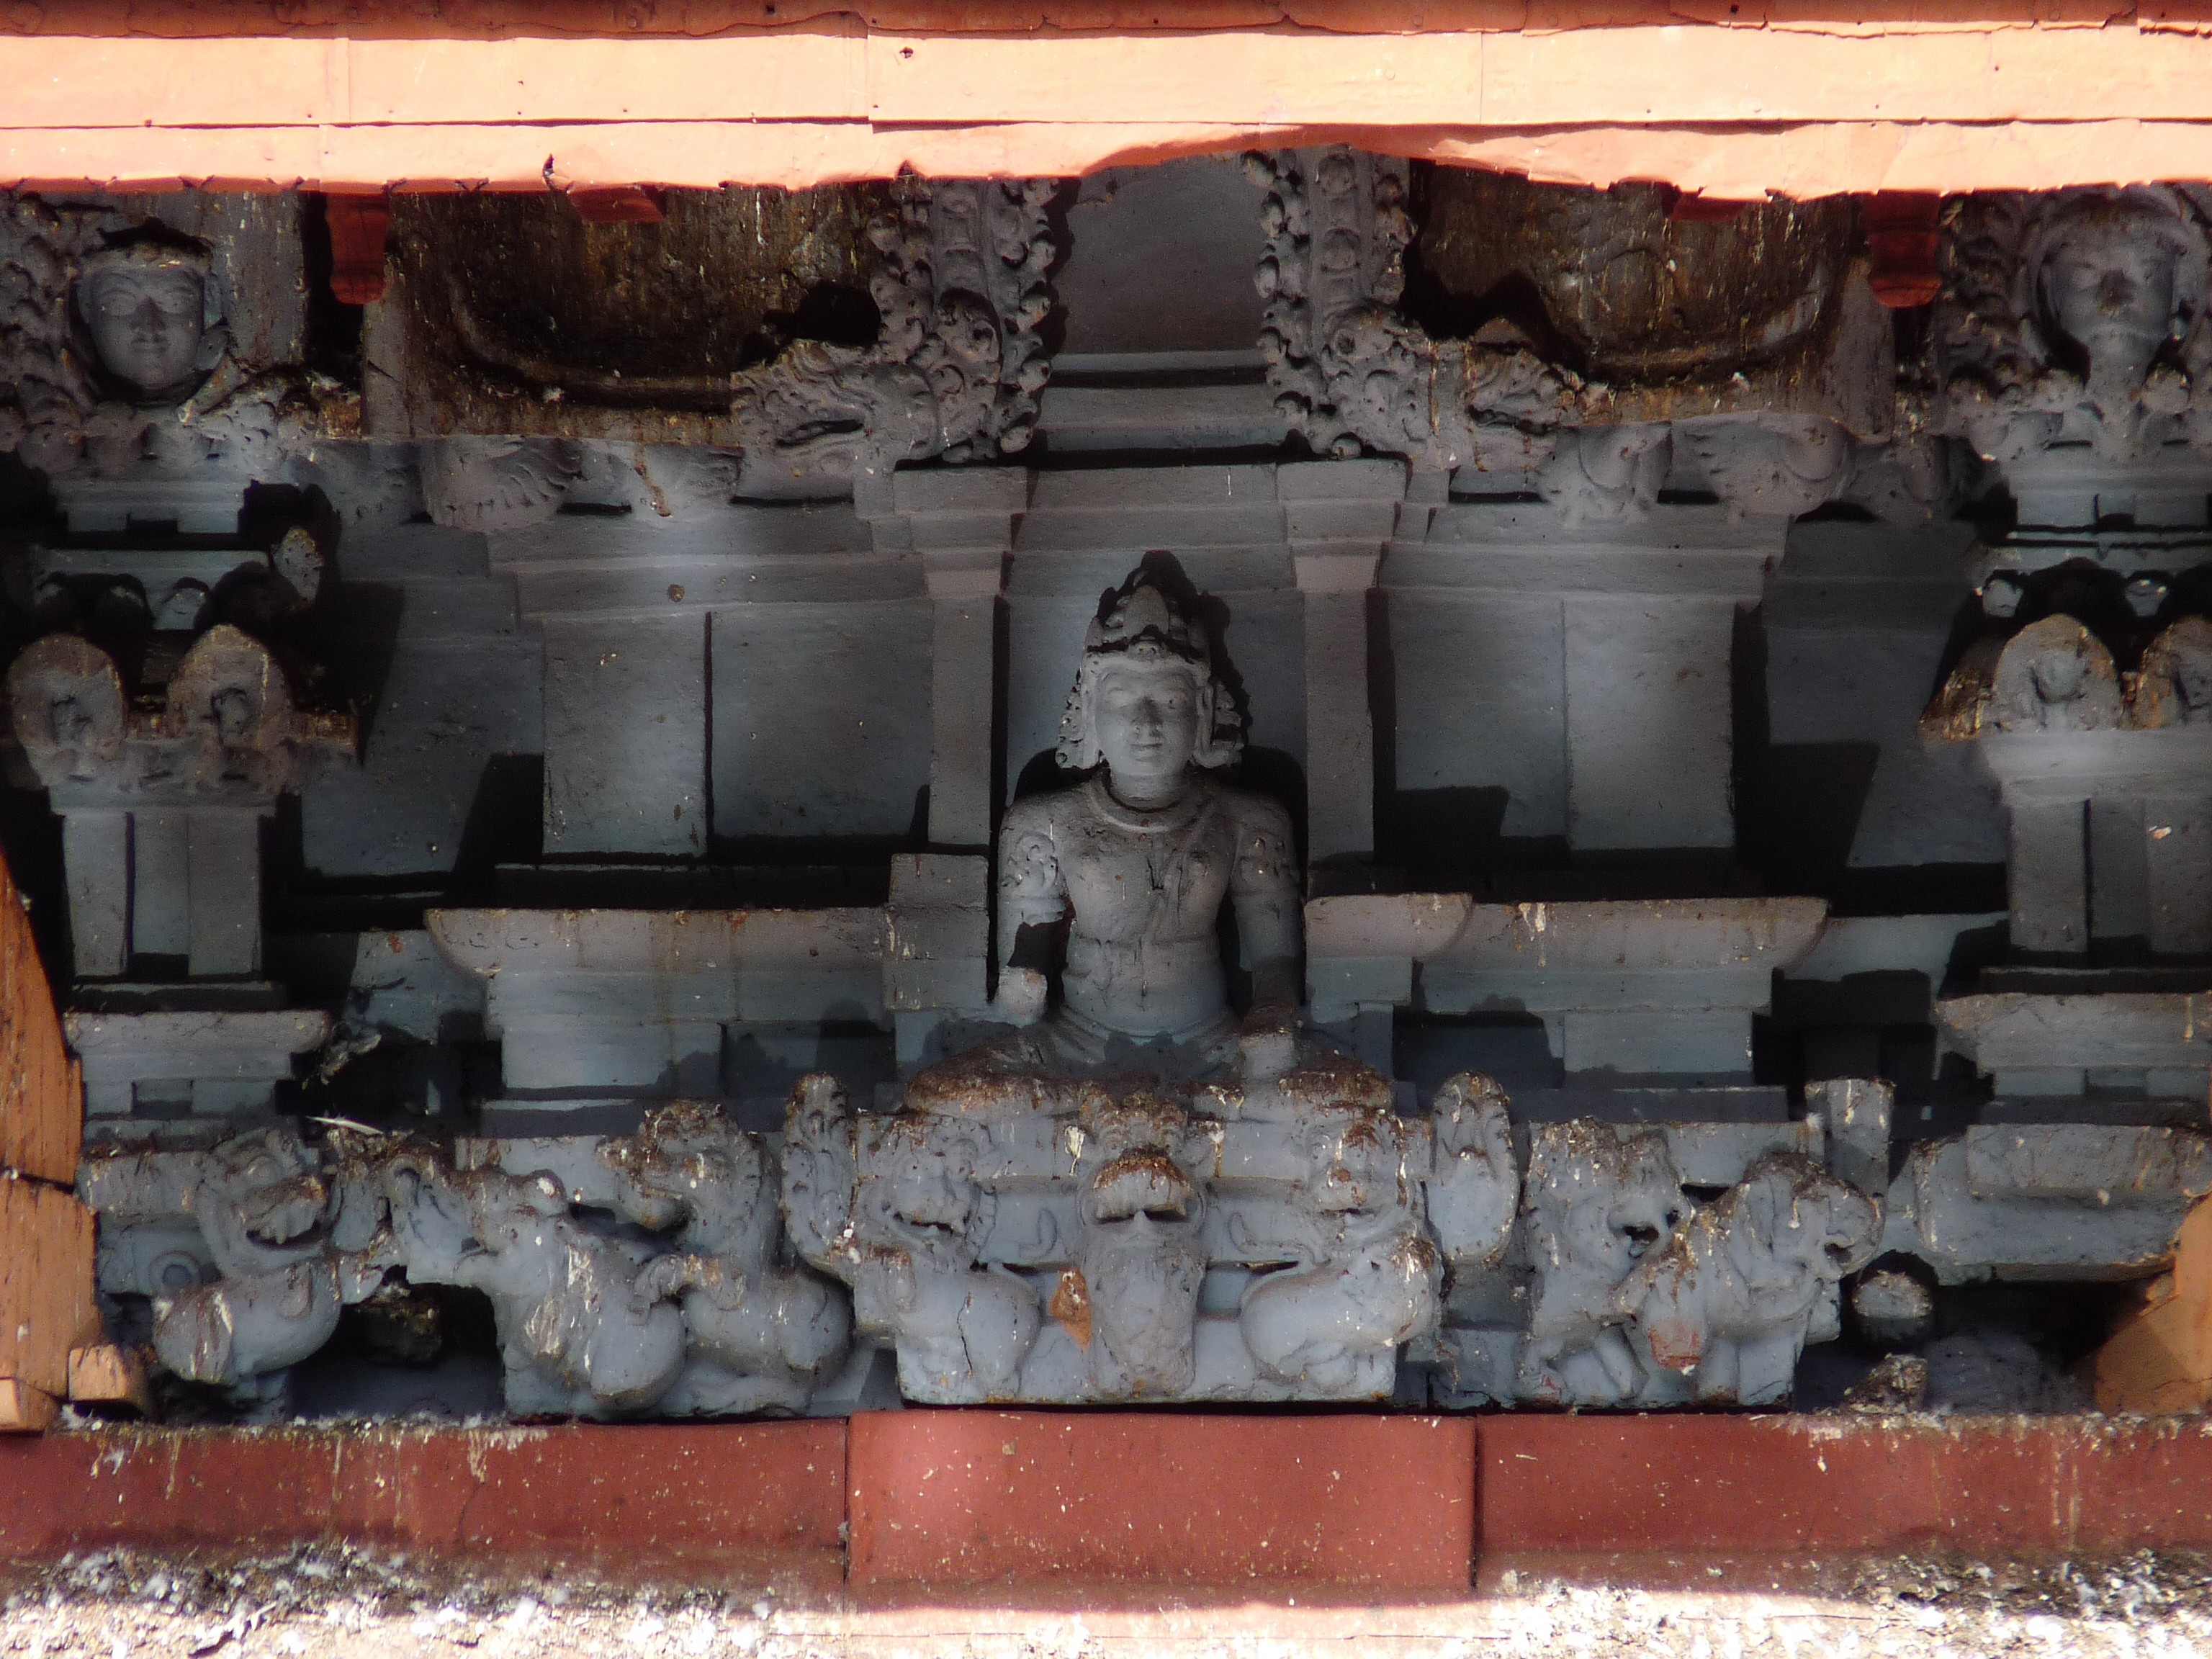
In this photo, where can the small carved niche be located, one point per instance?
(1621, 288)
(513, 314)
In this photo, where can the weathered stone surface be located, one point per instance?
(2054, 1201)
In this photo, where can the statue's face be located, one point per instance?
(147, 323)
(2113, 294)
(1146, 715)
(2058, 676)
(2193, 678)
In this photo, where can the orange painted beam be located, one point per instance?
(1802, 107)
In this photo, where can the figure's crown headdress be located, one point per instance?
(1144, 621)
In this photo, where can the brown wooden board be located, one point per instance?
(41, 1112)
(45, 1283)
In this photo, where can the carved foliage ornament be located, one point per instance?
(956, 270)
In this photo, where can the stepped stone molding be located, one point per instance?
(634, 1002)
(1655, 986)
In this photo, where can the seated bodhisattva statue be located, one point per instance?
(1137, 860)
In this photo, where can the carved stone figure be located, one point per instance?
(1598, 1200)
(1731, 1301)
(1140, 1255)
(579, 1336)
(132, 352)
(1370, 1276)
(2053, 675)
(293, 1243)
(1137, 860)
(2056, 676)
(2078, 316)
(154, 318)
(891, 1207)
(226, 742)
(2174, 687)
(757, 1336)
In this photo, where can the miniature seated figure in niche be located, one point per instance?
(2056, 676)
(1137, 859)
(150, 311)
(2174, 687)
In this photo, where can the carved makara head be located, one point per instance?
(153, 317)
(2117, 276)
(1146, 695)
(65, 700)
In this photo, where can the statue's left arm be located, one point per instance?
(1263, 885)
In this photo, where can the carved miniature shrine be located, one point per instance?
(1302, 777)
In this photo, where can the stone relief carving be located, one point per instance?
(757, 1335)
(2174, 685)
(227, 730)
(1786, 395)
(1724, 1311)
(2076, 317)
(949, 366)
(1278, 1244)
(150, 338)
(249, 1252)
(1597, 1200)
(2054, 675)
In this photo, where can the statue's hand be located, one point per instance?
(1021, 996)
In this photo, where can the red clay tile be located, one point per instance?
(962, 1497)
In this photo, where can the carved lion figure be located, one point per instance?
(1373, 1278)
(757, 1336)
(898, 1214)
(1598, 1200)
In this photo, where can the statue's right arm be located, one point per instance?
(1033, 895)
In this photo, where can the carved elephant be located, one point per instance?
(576, 1336)
(1727, 1304)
